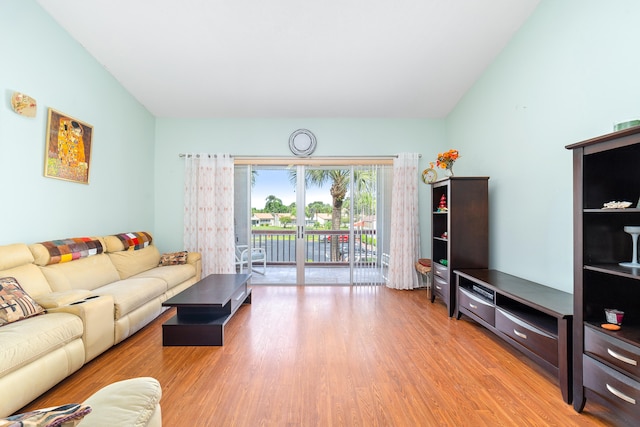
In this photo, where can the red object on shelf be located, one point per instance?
(443, 202)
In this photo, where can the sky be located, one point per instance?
(276, 182)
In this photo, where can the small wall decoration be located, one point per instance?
(429, 175)
(68, 154)
(302, 142)
(23, 104)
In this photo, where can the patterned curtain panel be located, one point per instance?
(405, 236)
(208, 211)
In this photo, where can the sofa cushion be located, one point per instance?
(26, 341)
(86, 273)
(15, 303)
(132, 293)
(172, 275)
(30, 278)
(14, 255)
(130, 263)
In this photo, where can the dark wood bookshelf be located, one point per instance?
(606, 169)
(466, 222)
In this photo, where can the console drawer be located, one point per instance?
(478, 306)
(441, 270)
(536, 340)
(613, 351)
(441, 287)
(238, 297)
(620, 390)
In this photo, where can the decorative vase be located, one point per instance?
(449, 170)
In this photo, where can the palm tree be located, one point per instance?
(340, 180)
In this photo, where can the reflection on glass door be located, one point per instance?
(327, 225)
(269, 220)
(317, 225)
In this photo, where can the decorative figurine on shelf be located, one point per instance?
(442, 207)
(617, 205)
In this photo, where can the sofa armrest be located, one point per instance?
(97, 314)
(195, 259)
(132, 402)
(59, 299)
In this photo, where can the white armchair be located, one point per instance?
(250, 256)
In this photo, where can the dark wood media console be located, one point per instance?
(204, 309)
(535, 319)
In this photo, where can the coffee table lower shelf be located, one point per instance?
(196, 331)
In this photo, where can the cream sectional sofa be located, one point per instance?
(92, 303)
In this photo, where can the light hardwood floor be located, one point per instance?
(337, 356)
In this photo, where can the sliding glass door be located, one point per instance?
(316, 224)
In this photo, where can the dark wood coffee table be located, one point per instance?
(204, 309)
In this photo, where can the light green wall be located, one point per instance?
(568, 75)
(40, 59)
(270, 137)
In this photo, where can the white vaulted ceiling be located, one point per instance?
(294, 58)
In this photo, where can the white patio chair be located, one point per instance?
(246, 256)
(385, 266)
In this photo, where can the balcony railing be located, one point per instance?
(280, 246)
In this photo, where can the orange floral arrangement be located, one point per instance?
(445, 160)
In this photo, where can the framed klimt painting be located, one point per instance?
(68, 154)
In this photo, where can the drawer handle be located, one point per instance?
(621, 395)
(473, 305)
(240, 296)
(520, 334)
(622, 358)
(439, 287)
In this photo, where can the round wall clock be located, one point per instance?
(429, 175)
(302, 142)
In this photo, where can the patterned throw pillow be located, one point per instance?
(174, 258)
(15, 303)
(59, 416)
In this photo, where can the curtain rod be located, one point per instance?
(309, 161)
(290, 158)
